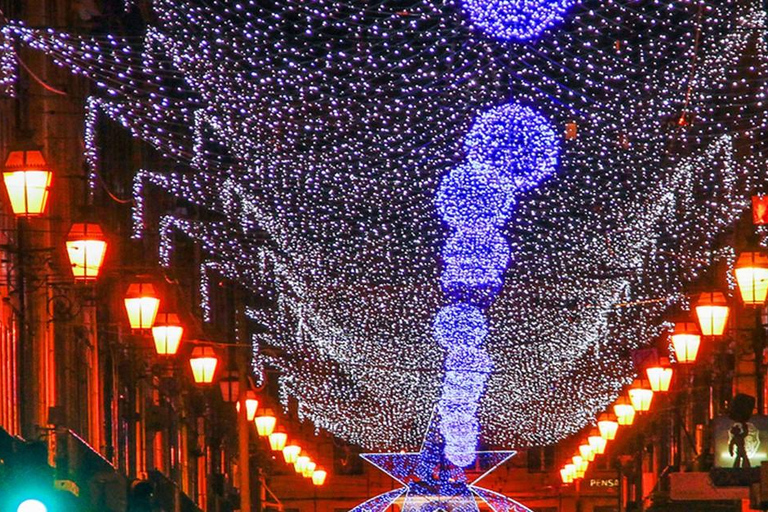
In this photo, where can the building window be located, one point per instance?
(541, 459)
(346, 460)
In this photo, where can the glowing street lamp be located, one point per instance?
(141, 304)
(27, 180)
(581, 465)
(641, 398)
(301, 463)
(686, 341)
(608, 428)
(291, 453)
(251, 404)
(752, 277)
(230, 386)
(277, 441)
(319, 476)
(598, 443)
(712, 311)
(586, 452)
(659, 378)
(86, 247)
(570, 470)
(625, 413)
(265, 423)
(167, 333)
(203, 363)
(309, 468)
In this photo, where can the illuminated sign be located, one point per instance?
(740, 444)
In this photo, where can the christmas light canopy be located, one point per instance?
(362, 169)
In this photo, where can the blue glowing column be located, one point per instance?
(510, 149)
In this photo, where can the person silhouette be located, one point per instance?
(739, 432)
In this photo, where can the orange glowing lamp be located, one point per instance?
(598, 443)
(265, 423)
(301, 463)
(659, 377)
(86, 247)
(586, 452)
(641, 399)
(291, 453)
(686, 341)
(712, 311)
(27, 180)
(203, 362)
(141, 304)
(608, 429)
(167, 333)
(752, 277)
(319, 476)
(251, 404)
(277, 441)
(308, 469)
(625, 413)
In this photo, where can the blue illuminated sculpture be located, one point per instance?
(431, 482)
(475, 196)
(510, 149)
(518, 20)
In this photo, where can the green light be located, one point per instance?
(32, 506)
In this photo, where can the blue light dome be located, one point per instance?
(517, 20)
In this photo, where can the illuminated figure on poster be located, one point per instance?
(743, 443)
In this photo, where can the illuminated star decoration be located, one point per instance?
(516, 19)
(432, 483)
